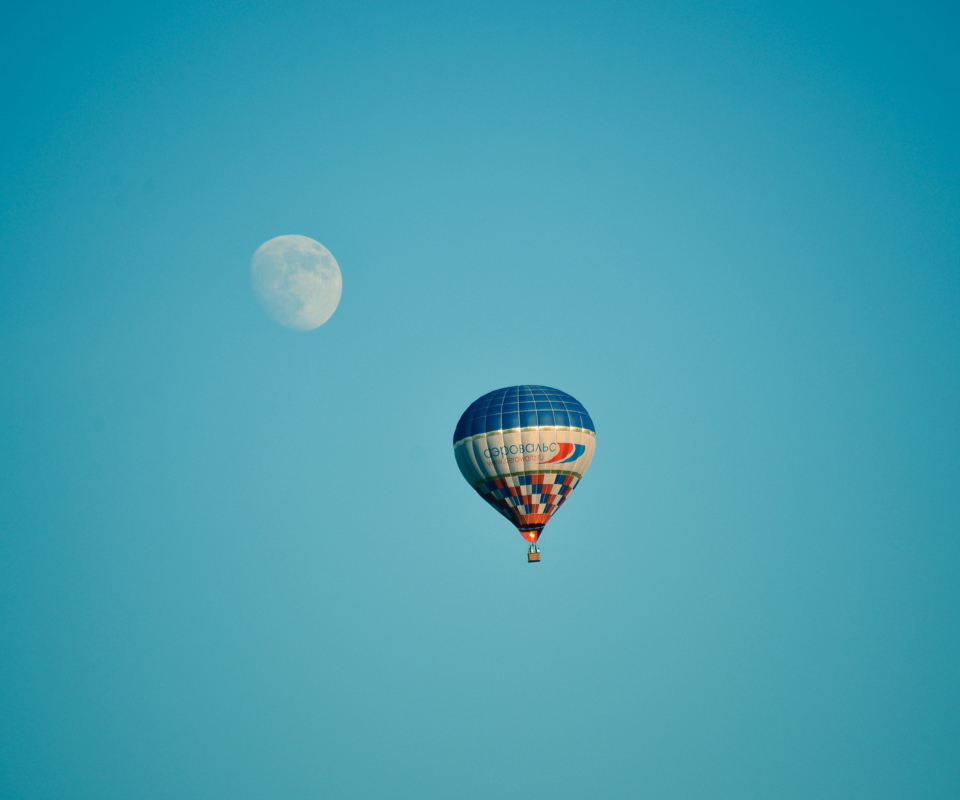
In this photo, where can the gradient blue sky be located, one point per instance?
(239, 562)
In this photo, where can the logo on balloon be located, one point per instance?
(514, 449)
(566, 453)
(552, 453)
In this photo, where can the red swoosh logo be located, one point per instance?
(565, 450)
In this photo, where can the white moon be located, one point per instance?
(297, 281)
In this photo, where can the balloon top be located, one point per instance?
(522, 407)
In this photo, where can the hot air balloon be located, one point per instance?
(524, 449)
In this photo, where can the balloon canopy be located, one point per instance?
(524, 449)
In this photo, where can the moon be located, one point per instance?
(297, 281)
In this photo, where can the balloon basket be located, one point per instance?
(533, 554)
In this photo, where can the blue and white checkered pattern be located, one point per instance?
(519, 496)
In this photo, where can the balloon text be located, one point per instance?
(516, 449)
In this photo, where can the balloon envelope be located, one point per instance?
(524, 449)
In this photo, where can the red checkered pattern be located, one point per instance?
(528, 501)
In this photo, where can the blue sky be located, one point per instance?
(239, 561)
